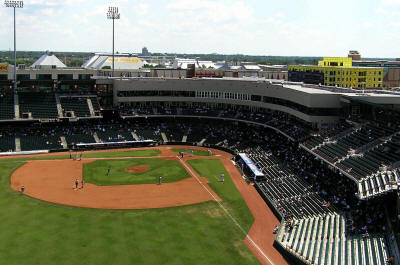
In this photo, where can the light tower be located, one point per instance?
(113, 14)
(14, 4)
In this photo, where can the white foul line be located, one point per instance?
(226, 211)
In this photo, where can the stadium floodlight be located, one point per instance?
(14, 4)
(113, 14)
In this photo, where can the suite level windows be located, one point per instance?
(222, 95)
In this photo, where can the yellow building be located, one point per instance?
(337, 71)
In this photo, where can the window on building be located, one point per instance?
(43, 77)
(23, 77)
(84, 77)
(65, 77)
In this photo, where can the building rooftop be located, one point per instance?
(48, 59)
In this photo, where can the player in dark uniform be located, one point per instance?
(108, 170)
(76, 183)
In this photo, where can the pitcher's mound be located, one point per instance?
(137, 169)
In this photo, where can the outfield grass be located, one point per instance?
(196, 152)
(232, 199)
(96, 172)
(36, 232)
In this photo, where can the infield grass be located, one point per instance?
(35, 232)
(196, 152)
(96, 172)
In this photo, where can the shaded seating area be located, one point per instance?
(7, 143)
(79, 139)
(78, 105)
(41, 105)
(29, 143)
(6, 106)
(148, 134)
(110, 135)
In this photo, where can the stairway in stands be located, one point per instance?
(91, 109)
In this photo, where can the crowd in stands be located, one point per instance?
(275, 119)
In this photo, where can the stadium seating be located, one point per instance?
(7, 143)
(311, 229)
(6, 106)
(145, 134)
(334, 151)
(29, 143)
(41, 105)
(79, 138)
(114, 136)
(78, 105)
(323, 240)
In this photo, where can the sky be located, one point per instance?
(253, 27)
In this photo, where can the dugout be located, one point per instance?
(249, 169)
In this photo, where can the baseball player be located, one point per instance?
(191, 152)
(159, 180)
(222, 178)
(22, 190)
(82, 183)
(108, 170)
(76, 183)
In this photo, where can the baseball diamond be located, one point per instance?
(49, 178)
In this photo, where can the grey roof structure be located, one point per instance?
(48, 60)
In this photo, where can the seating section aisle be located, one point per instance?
(41, 105)
(6, 106)
(95, 103)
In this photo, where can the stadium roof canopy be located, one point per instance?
(121, 62)
(48, 60)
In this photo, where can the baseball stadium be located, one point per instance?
(157, 170)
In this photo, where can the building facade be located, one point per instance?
(338, 72)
